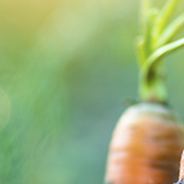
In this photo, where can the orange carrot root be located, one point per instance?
(146, 147)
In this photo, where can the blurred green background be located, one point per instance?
(65, 67)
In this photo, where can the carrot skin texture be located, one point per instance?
(146, 146)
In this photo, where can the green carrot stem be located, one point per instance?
(153, 45)
(153, 85)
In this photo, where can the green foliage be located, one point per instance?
(155, 43)
(32, 75)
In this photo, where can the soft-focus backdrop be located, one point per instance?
(65, 68)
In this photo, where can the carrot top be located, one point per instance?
(157, 40)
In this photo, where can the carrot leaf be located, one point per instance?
(171, 31)
(139, 43)
(145, 6)
(150, 28)
(166, 14)
(164, 50)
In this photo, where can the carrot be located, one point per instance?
(148, 140)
